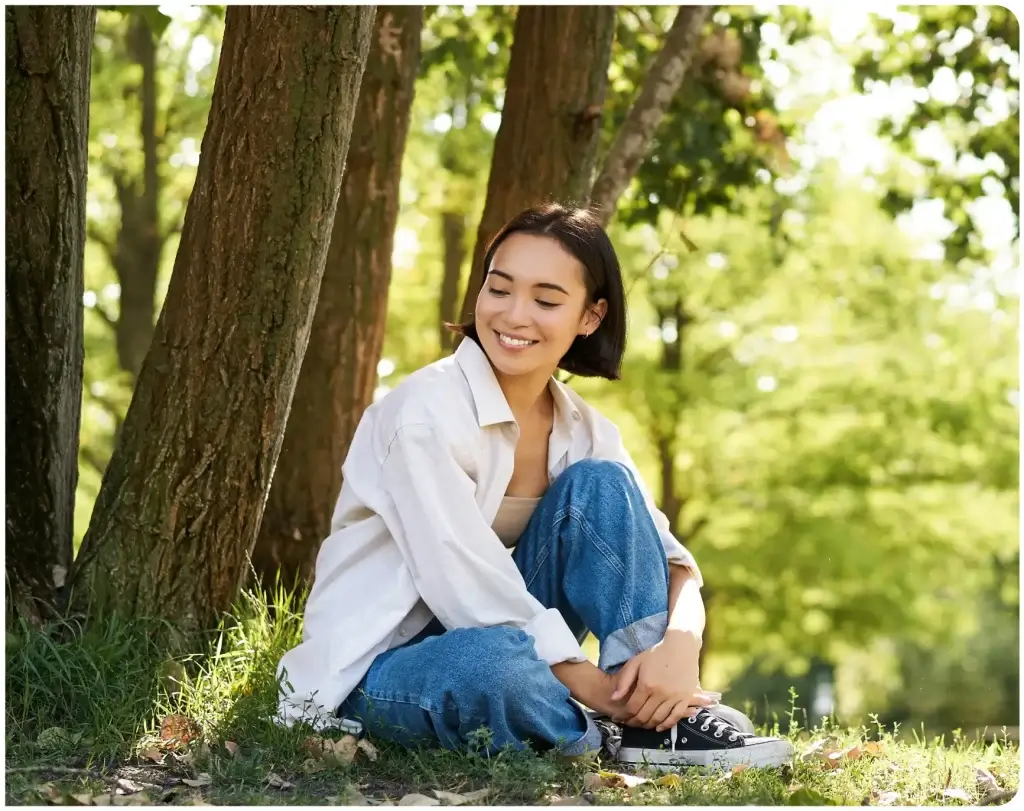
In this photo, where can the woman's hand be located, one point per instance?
(665, 683)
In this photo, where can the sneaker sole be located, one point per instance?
(763, 755)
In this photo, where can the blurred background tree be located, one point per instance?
(820, 248)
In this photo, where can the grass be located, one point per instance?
(85, 705)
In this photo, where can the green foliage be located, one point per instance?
(721, 129)
(975, 52)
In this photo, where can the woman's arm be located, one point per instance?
(685, 604)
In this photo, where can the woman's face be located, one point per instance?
(533, 305)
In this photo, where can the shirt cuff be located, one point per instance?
(680, 556)
(552, 638)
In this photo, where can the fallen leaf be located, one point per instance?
(203, 779)
(888, 798)
(956, 794)
(739, 768)
(352, 796)
(987, 783)
(177, 729)
(418, 799)
(367, 749)
(153, 754)
(232, 748)
(124, 786)
(49, 791)
(669, 781)
(821, 748)
(102, 799)
(608, 779)
(82, 799)
(872, 749)
(278, 782)
(853, 753)
(312, 766)
(451, 798)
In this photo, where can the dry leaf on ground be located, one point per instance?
(124, 786)
(312, 766)
(872, 749)
(418, 799)
(451, 798)
(153, 754)
(987, 783)
(888, 798)
(669, 781)
(278, 782)
(351, 796)
(178, 730)
(367, 749)
(340, 752)
(956, 794)
(203, 779)
(232, 748)
(739, 768)
(606, 779)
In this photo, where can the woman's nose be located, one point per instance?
(519, 310)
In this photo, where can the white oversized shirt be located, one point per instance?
(411, 534)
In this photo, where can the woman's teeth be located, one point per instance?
(513, 341)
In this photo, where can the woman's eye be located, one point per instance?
(495, 292)
(547, 305)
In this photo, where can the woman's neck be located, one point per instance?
(525, 394)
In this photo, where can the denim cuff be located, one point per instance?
(624, 644)
(591, 741)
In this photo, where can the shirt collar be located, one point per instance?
(491, 406)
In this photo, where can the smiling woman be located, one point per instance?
(553, 283)
(482, 453)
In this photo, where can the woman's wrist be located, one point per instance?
(587, 683)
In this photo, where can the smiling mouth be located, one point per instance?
(513, 343)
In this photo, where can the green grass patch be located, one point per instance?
(87, 721)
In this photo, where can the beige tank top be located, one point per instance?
(512, 518)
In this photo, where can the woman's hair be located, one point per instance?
(581, 234)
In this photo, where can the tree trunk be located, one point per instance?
(546, 146)
(339, 371)
(49, 52)
(183, 496)
(453, 232)
(661, 83)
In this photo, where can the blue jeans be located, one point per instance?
(590, 550)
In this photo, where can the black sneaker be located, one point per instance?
(704, 740)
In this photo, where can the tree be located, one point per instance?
(339, 370)
(546, 146)
(963, 61)
(134, 86)
(662, 82)
(47, 63)
(183, 495)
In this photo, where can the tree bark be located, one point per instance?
(661, 83)
(453, 232)
(546, 146)
(49, 53)
(184, 492)
(339, 370)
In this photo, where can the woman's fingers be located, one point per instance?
(678, 712)
(662, 713)
(642, 718)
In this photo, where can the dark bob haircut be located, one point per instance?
(578, 231)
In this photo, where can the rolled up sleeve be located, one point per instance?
(461, 569)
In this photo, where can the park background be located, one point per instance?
(819, 238)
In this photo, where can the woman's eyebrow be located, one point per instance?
(545, 285)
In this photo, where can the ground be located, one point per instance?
(103, 716)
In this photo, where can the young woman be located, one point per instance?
(489, 519)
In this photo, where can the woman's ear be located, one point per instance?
(593, 317)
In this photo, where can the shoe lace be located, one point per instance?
(721, 727)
